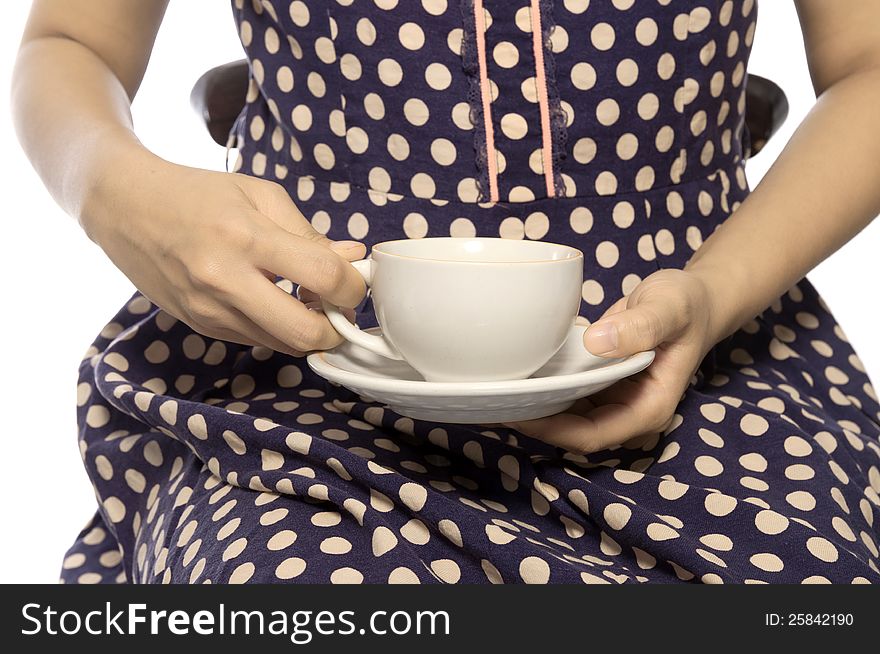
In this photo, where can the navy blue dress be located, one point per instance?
(609, 125)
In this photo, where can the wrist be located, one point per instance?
(728, 308)
(113, 184)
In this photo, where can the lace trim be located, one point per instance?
(470, 63)
(558, 117)
(541, 92)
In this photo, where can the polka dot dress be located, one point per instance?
(609, 125)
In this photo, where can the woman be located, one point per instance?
(747, 452)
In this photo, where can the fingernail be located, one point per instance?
(342, 246)
(601, 338)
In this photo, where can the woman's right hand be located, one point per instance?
(205, 247)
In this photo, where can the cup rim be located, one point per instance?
(576, 254)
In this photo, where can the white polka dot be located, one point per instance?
(534, 570)
(383, 541)
(335, 545)
(514, 126)
(324, 156)
(197, 426)
(537, 225)
(617, 515)
(402, 575)
(606, 183)
(422, 185)
(581, 220)
(708, 466)
(357, 140)
(627, 72)
(346, 576)
(413, 496)
(290, 568)
(627, 146)
(664, 242)
(411, 36)
(366, 31)
(646, 31)
(607, 254)
(358, 226)
(592, 292)
(659, 531)
(511, 228)
(754, 462)
(434, 7)
(583, 76)
(390, 72)
(505, 54)
(115, 509)
(415, 225)
(416, 111)
(767, 562)
(648, 106)
(753, 425)
(498, 535)
(607, 111)
(462, 228)
(576, 6)
(771, 522)
(602, 36)
(714, 412)
(797, 446)
(584, 150)
(299, 13)
(719, 504)
(97, 416)
(438, 76)
(446, 570)
(443, 151)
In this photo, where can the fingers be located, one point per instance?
(604, 426)
(317, 306)
(274, 202)
(283, 317)
(245, 325)
(642, 325)
(229, 324)
(313, 301)
(349, 250)
(312, 264)
(575, 433)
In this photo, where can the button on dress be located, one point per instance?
(616, 127)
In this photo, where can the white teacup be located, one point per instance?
(469, 309)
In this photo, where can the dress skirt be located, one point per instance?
(614, 127)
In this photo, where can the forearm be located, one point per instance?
(822, 190)
(73, 118)
(79, 65)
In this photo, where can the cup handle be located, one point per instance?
(351, 332)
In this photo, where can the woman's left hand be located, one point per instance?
(670, 311)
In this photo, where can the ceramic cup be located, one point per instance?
(469, 309)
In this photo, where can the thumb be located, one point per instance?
(637, 328)
(348, 250)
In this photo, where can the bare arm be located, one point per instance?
(78, 68)
(819, 193)
(202, 245)
(823, 189)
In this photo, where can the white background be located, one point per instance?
(58, 289)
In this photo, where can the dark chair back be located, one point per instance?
(219, 96)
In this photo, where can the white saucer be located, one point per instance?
(571, 374)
